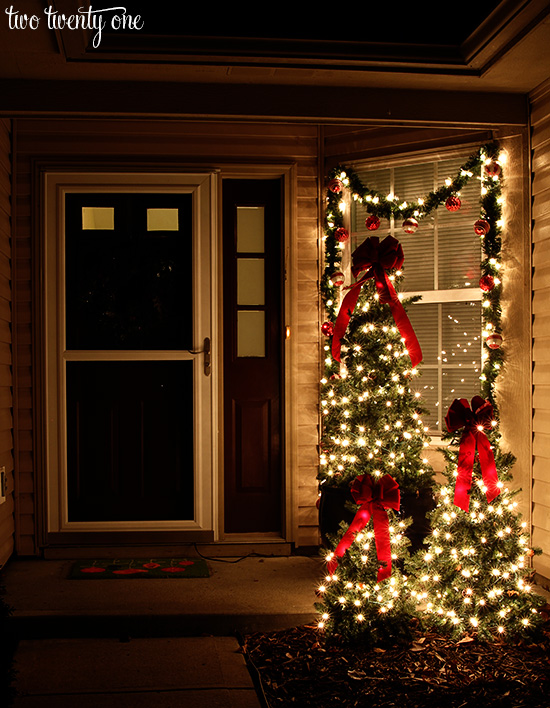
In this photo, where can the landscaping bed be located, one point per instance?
(300, 667)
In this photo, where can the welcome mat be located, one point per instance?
(140, 568)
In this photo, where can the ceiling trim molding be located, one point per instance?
(507, 24)
(274, 103)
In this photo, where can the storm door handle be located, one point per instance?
(206, 350)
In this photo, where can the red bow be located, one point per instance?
(374, 497)
(376, 258)
(474, 421)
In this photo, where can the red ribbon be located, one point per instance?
(374, 497)
(474, 420)
(376, 258)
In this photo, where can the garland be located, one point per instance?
(485, 165)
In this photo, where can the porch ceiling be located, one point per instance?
(491, 47)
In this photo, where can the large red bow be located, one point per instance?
(374, 497)
(474, 420)
(376, 258)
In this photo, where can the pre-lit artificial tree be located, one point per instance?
(373, 440)
(474, 572)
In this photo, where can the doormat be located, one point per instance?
(140, 568)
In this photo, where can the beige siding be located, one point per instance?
(142, 145)
(540, 141)
(7, 525)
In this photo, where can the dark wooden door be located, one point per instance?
(253, 334)
(129, 394)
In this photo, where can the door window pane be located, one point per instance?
(129, 288)
(162, 220)
(130, 440)
(250, 229)
(98, 218)
(251, 333)
(250, 281)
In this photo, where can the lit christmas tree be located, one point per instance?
(474, 573)
(374, 439)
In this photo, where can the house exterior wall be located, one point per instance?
(540, 145)
(7, 525)
(168, 145)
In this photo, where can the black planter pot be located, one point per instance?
(417, 505)
(333, 510)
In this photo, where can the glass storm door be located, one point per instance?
(133, 373)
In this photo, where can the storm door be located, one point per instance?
(133, 360)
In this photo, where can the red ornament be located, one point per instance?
(129, 571)
(341, 234)
(335, 377)
(492, 169)
(410, 225)
(486, 283)
(327, 328)
(151, 565)
(494, 341)
(372, 222)
(453, 203)
(482, 227)
(336, 186)
(337, 278)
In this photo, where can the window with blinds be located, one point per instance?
(442, 264)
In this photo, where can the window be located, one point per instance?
(442, 264)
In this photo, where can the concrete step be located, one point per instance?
(193, 672)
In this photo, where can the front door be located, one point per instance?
(253, 338)
(131, 363)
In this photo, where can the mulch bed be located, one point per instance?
(297, 667)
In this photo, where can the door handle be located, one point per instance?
(206, 350)
(207, 357)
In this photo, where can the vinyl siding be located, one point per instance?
(7, 523)
(540, 144)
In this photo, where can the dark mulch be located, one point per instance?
(297, 667)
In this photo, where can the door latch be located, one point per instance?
(207, 357)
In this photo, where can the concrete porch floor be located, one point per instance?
(247, 595)
(156, 642)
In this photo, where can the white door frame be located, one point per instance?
(205, 268)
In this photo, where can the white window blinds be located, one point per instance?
(442, 260)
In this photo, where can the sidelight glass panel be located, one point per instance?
(250, 281)
(162, 220)
(251, 333)
(250, 229)
(98, 218)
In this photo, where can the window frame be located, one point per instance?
(439, 296)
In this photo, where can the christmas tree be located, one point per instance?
(474, 575)
(374, 439)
